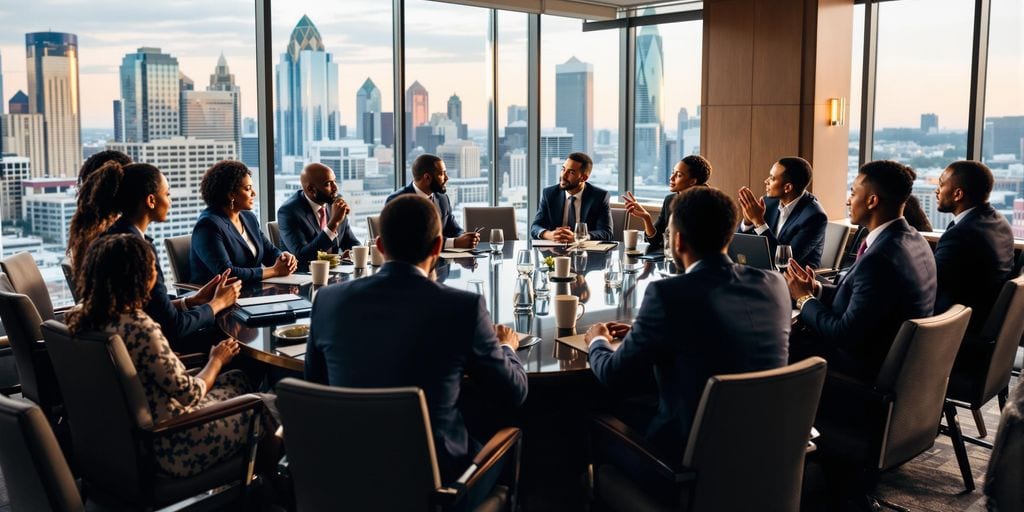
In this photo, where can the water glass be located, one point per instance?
(783, 253)
(613, 273)
(666, 240)
(497, 239)
(581, 232)
(476, 286)
(524, 261)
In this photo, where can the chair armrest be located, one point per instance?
(10, 390)
(617, 432)
(501, 445)
(187, 286)
(230, 407)
(842, 383)
(196, 360)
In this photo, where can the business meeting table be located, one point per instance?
(496, 277)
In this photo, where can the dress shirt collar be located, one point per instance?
(422, 193)
(692, 267)
(786, 210)
(312, 204)
(875, 233)
(960, 217)
(402, 266)
(578, 195)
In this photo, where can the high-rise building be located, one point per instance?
(151, 87)
(650, 81)
(574, 102)
(307, 92)
(455, 114)
(517, 168)
(517, 113)
(368, 102)
(1005, 136)
(223, 81)
(461, 157)
(1018, 218)
(350, 159)
(682, 123)
(604, 137)
(555, 146)
(18, 103)
(52, 62)
(23, 136)
(249, 126)
(929, 122)
(249, 153)
(185, 83)
(209, 115)
(417, 102)
(118, 121)
(2, 84)
(13, 171)
(387, 129)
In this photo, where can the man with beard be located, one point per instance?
(573, 200)
(315, 218)
(429, 177)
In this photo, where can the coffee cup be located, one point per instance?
(562, 266)
(568, 310)
(359, 255)
(320, 270)
(629, 238)
(376, 257)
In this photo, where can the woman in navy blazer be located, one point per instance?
(227, 234)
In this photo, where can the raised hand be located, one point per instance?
(752, 207)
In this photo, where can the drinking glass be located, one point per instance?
(476, 286)
(613, 273)
(666, 240)
(581, 232)
(783, 253)
(497, 240)
(524, 261)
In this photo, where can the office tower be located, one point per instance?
(249, 151)
(350, 159)
(2, 84)
(209, 115)
(118, 121)
(13, 171)
(387, 129)
(1018, 218)
(650, 80)
(929, 122)
(669, 157)
(517, 168)
(461, 157)
(455, 114)
(307, 92)
(1005, 135)
(23, 136)
(151, 86)
(517, 113)
(223, 81)
(18, 103)
(682, 123)
(574, 102)
(417, 102)
(185, 83)
(52, 62)
(555, 146)
(604, 137)
(368, 102)
(249, 126)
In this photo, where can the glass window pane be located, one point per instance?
(334, 100)
(513, 149)
(667, 115)
(922, 97)
(579, 100)
(856, 91)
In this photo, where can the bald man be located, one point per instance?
(316, 217)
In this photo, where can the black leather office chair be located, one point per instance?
(373, 449)
(113, 430)
(25, 278)
(373, 226)
(274, 233)
(37, 476)
(492, 217)
(1006, 464)
(747, 446)
(178, 252)
(69, 279)
(35, 371)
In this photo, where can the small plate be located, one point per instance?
(292, 334)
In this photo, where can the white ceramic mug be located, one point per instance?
(568, 310)
(320, 269)
(376, 257)
(359, 255)
(562, 266)
(629, 238)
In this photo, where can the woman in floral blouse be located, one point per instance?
(118, 273)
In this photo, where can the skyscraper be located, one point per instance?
(455, 114)
(22, 135)
(555, 145)
(307, 92)
(52, 62)
(929, 122)
(517, 113)
(150, 95)
(650, 80)
(118, 121)
(417, 101)
(209, 115)
(18, 103)
(2, 84)
(223, 81)
(574, 102)
(368, 102)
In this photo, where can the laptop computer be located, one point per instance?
(751, 250)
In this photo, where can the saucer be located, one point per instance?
(567, 279)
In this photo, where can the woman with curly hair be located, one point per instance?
(227, 234)
(118, 273)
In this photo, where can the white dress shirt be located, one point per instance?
(316, 214)
(448, 242)
(579, 203)
(784, 212)
(961, 215)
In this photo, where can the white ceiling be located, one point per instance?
(585, 9)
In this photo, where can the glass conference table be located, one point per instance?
(494, 275)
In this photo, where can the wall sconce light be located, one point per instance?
(836, 111)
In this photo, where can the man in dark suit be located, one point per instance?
(853, 324)
(429, 176)
(573, 200)
(399, 328)
(691, 171)
(788, 214)
(974, 257)
(718, 317)
(315, 218)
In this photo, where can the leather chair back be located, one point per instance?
(751, 432)
(37, 476)
(373, 225)
(105, 405)
(1006, 464)
(69, 278)
(358, 449)
(491, 217)
(22, 321)
(1005, 325)
(916, 372)
(274, 232)
(178, 249)
(26, 279)
(619, 219)
(836, 235)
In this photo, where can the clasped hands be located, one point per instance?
(608, 330)
(562, 234)
(752, 207)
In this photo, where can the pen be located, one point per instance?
(477, 230)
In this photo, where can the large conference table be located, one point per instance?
(495, 275)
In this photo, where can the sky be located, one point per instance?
(924, 64)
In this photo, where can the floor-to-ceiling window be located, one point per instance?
(512, 156)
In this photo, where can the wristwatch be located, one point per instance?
(803, 300)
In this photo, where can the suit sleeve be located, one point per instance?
(950, 257)
(870, 299)
(176, 324)
(808, 242)
(346, 237)
(270, 251)
(452, 228)
(208, 243)
(539, 220)
(314, 367)
(635, 357)
(291, 232)
(660, 224)
(603, 221)
(496, 366)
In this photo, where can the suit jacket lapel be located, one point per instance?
(252, 230)
(799, 207)
(560, 210)
(588, 195)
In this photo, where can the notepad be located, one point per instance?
(296, 351)
(294, 279)
(267, 299)
(453, 255)
(579, 342)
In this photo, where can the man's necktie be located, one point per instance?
(571, 222)
(322, 214)
(860, 250)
